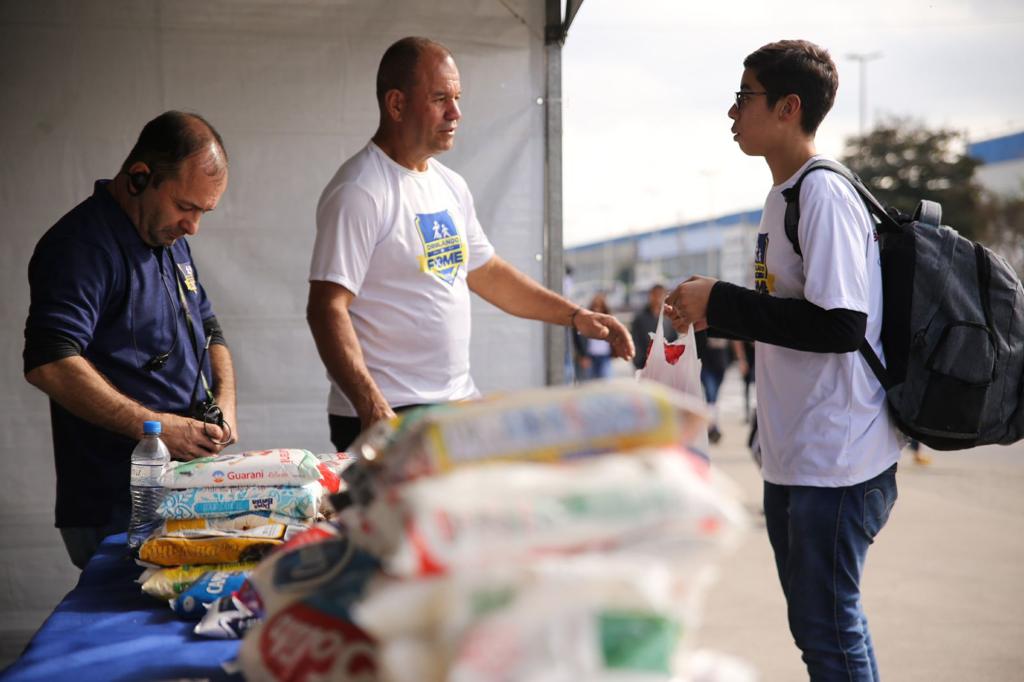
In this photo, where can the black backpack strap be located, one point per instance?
(886, 222)
(879, 370)
(984, 282)
(792, 197)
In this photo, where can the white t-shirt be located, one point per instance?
(402, 241)
(822, 419)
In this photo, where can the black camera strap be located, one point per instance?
(200, 355)
(209, 412)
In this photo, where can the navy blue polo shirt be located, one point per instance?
(99, 287)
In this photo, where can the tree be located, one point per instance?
(1003, 218)
(902, 162)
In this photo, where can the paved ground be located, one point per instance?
(944, 582)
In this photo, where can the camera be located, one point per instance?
(208, 412)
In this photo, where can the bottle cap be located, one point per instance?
(150, 428)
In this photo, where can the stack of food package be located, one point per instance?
(223, 513)
(554, 534)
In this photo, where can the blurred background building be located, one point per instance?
(626, 267)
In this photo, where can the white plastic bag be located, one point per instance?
(677, 366)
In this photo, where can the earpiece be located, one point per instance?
(137, 182)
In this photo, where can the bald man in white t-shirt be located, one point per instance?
(398, 250)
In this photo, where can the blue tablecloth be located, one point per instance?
(108, 629)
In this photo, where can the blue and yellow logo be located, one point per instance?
(443, 249)
(764, 281)
(188, 275)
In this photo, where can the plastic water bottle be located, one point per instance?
(148, 459)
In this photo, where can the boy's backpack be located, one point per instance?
(952, 326)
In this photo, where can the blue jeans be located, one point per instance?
(600, 367)
(712, 381)
(821, 537)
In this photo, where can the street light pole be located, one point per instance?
(862, 58)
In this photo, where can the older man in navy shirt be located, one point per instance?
(118, 324)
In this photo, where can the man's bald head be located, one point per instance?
(170, 138)
(397, 70)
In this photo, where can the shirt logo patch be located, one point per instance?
(188, 275)
(443, 248)
(763, 281)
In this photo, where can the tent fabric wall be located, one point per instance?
(290, 86)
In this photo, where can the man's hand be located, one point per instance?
(231, 420)
(77, 386)
(688, 303)
(376, 413)
(224, 390)
(187, 438)
(601, 326)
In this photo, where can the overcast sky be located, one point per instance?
(647, 84)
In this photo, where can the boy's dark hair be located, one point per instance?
(398, 65)
(169, 139)
(801, 68)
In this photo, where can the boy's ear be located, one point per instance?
(790, 106)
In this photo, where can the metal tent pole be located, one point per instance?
(555, 337)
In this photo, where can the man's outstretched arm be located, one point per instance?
(502, 285)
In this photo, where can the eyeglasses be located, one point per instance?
(742, 95)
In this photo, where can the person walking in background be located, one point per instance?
(715, 357)
(569, 366)
(744, 353)
(921, 458)
(595, 355)
(645, 322)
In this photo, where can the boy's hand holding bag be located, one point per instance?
(676, 365)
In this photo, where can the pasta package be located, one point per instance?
(279, 467)
(211, 586)
(203, 546)
(168, 583)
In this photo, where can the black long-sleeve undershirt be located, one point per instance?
(738, 312)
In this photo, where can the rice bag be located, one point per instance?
(513, 511)
(167, 583)
(211, 586)
(280, 467)
(305, 564)
(544, 425)
(212, 546)
(307, 633)
(297, 502)
(584, 617)
(307, 642)
(332, 465)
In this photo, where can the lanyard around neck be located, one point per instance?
(191, 327)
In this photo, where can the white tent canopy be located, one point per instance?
(290, 86)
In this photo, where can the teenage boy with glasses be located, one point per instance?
(829, 448)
